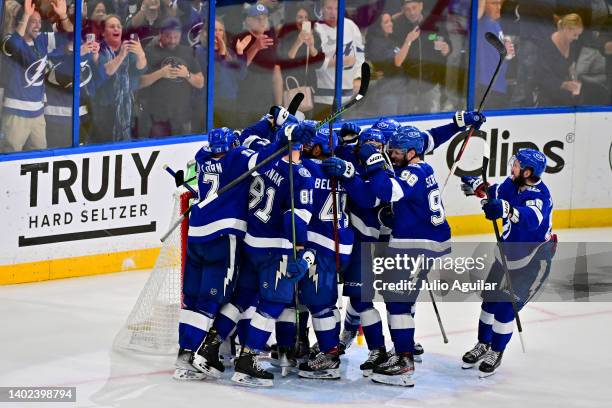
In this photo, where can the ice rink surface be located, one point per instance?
(59, 333)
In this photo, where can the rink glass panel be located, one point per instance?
(535, 73)
(36, 82)
(413, 72)
(166, 98)
(292, 58)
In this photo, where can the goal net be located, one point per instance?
(152, 326)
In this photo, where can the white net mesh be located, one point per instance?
(152, 326)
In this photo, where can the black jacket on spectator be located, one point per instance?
(423, 61)
(380, 51)
(169, 99)
(553, 70)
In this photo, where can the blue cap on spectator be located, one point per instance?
(170, 24)
(257, 10)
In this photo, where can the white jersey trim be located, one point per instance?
(396, 191)
(364, 229)
(329, 243)
(260, 242)
(23, 105)
(213, 227)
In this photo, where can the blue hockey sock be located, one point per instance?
(351, 319)
(401, 326)
(286, 328)
(325, 325)
(485, 323)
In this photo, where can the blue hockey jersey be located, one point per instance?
(321, 229)
(534, 207)
(26, 68)
(226, 214)
(269, 229)
(417, 205)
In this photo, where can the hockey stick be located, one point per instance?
(334, 191)
(363, 89)
(485, 166)
(285, 369)
(501, 50)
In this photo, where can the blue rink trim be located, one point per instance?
(439, 377)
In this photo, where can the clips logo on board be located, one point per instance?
(502, 151)
(89, 195)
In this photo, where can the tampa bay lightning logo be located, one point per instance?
(304, 172)
(324, 131)
(34, 75)
(382, 125)
(193, 35)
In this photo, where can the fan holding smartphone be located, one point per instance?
(300, 51)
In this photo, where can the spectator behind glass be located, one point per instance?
(146, 22)
(422, 56)
(536, 24)
(96, 13)
(27, 50)
(58, 107)
(353, 57)
(556, 84)
(124, 62)
(457, 26)
(166, 88)
(277, 13)
(386, 94)
(263, 85)
(230, 70)
(487, 57)
(192, 14)
(300, 51)
(9, 18)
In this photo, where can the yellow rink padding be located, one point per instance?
(145, 258)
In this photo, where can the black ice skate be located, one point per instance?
(489, 365)
(248, 372)
(397, 370)
(185, 371)
(418, 353)
(207, 358)
(375, 358)
(473, 356)
(325, 366)
(346, 340)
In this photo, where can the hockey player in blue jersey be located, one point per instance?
(525, 205)
(365, 213)
(318, 290)
(216, 231)
(269, 264)
(423, 229)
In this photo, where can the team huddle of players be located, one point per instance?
(281, 239)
